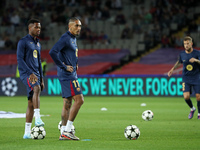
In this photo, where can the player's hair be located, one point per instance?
(73, 19)
(188, 38)
(33, 21)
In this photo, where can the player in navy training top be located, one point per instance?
(190, 58)
(65, 55)
(30, 69)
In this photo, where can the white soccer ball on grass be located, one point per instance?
(132, 132)
(38, 132)
(147, 115)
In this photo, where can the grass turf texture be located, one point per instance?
(169, 129)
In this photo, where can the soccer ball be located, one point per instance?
(38, 132)
(9, 86)
(60, 125)
(132, 132)
(147, 115)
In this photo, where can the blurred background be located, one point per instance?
(129, 37)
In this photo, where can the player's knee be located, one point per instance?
(37, 89)
(186, 96)
(80, 100)
(30, 104)
(198, 97)
(67, 103)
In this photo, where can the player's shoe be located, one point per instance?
(27, 136)
(191, 114)
(198, 117)
(39, 122)
(68, 136)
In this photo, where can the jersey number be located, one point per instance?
(76, 83)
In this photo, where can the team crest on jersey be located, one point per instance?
(78, 89)
(38, 44)
(35, 53)
(31, 42)
(189, 67)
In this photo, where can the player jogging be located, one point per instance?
(30, 69)
(65, 55)
(190, 58)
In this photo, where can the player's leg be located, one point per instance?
(29, 111)
(71, 115)
(36, 105)
(198, 105)
(78, 102)
(197, 93)
(29, 118)
(186, 94)
(71, 90)
(189, 103)
(67, 102)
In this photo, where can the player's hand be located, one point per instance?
(42, 84)
(33, 78)
(193, 60)
(69, 68)
(76, 67)
(170, 73)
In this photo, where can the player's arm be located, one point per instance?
(41, 72)
(22, 66)
(192, 60)
(54, 54)
(76, 67)
(177, 64)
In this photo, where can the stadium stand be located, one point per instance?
(148, 21)
(158, 62)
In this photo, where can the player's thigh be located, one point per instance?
(187, 90)
(30, 87)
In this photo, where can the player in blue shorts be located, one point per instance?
(65, 55)
(190, 58)
(30, 69)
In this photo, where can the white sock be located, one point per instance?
(62, 129)
(198, 114)
(37, 113)
(28, 128)
(193, 108)
(69, 126)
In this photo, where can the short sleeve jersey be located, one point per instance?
(191, 71)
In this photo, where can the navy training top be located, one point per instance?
(65, 51)
(28, 57)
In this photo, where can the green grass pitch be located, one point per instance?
(170, 128)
